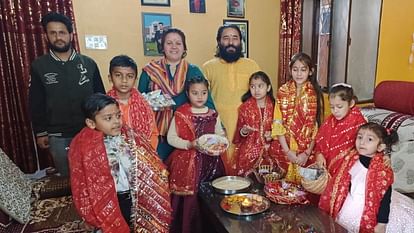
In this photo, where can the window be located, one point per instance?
(344, 42)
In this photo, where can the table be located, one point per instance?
(278, 218)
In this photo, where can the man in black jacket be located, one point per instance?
(60, 81)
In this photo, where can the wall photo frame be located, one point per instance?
(153, 26)
(244, 28)
(197, 6)
(235, 8)
(155, 2)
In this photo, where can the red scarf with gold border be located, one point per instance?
(249, 150)
(141, 116)
(298, 112)
(335, 138)
(182, 163)
(379, 178)
(93, 187)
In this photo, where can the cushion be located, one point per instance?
(51, 186)
(402, 161)
(15, 190)
(402, 123)
(397, 96)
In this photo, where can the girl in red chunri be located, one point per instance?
(252, 138)
(189, 167)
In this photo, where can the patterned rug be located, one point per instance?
(50, 215)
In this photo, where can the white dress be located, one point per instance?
(401, 207)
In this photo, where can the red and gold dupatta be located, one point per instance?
(335, 138)
(159, 74)
(182, 163)
(249, 150)
(298, 113)
(93, 187)
(379, 178)
(141, 116)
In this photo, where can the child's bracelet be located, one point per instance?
(243, 134)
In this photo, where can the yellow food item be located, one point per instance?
(247, 202)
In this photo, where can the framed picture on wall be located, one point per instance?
(153, 26)
(244, 28)
(155, 2)
(197, 6)
(235, 8)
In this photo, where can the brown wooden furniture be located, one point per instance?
(278, 218)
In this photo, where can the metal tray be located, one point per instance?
(232, 204)
(231, 184)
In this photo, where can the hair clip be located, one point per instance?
(342, 84)
(389, 131)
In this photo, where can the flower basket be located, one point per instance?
(318, 185)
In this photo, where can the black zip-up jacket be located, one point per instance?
(57, 90)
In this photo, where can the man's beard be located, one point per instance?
(230, 56)
(63, 49)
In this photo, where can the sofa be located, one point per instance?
(43, 205)
(393, 107)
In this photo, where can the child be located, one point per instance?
(338, 133)
(188, 167)
(252, 137)
(297, 114)
(117, 179)
(136, 112)
(359, 196)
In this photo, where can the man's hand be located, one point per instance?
(43, 142)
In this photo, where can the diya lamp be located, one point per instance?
(246, 205)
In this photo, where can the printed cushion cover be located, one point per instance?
(402, 123)
(15, 190)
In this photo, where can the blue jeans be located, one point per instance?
(59, 147)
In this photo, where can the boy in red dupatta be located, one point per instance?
(93, 177)
(136, 112)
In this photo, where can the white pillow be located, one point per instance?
(15, 190)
